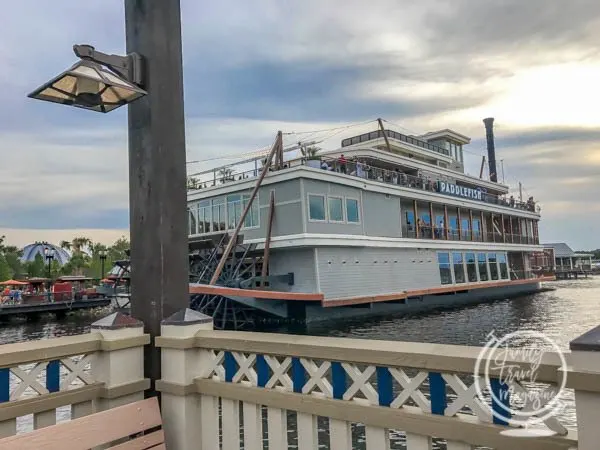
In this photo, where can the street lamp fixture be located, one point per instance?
(102, 255)
(49, 254)
(98, 82)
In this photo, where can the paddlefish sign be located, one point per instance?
(459, 191)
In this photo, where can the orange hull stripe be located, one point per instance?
(318, 297)
(437, 290)
(273, 295)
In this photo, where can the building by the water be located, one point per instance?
(386, 222)
(567, 259)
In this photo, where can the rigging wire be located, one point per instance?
(306, 139)
(345, 127)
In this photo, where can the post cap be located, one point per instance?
(116, 321)
(187, 316)
(587, 342)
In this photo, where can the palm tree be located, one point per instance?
(225, 173)
(65, 244)
(79, 243)
(309, 152)
(193, 183)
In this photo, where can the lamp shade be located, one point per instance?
(90, 86)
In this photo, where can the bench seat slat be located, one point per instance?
(90, 431)
(146, 442)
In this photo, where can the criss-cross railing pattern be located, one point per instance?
(40, 378)
(400, 388)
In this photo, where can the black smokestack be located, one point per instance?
(489, 134)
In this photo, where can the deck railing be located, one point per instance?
(243, 390)
(395, 135)
(233, 390)
(70, 377)
(351, 167)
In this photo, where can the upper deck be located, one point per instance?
(378, 188)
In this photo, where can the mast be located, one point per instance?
(276, 148)
(387, 142)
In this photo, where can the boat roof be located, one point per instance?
(37, 280)
(446, 133)
(74, 278)
(561, 250)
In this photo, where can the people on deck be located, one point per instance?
(342, 163)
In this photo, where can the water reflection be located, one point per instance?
(563, 314)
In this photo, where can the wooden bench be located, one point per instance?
(98, 429)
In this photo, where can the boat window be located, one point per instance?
(453, 227)
(464, 229)
(503, 266)
(493, 266)
(218, 212)
(410, 221)
(316, 207)
(234, 211)
(252, 219)
(471, 267)
(193, 220)
(459, 270)
(425, 225)
(476, 229)
(336, 209)
(204, 217)
(482, 265)
(352, 213)
(445, 271)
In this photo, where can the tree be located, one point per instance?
(309, 152)
(79, 243)
(13, 259)
(225, 173)
(5, 270)
(118, 250)
(37, 267)
(193, 183)
(79, 261)
(10, 262)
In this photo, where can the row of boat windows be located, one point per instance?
(457, 267)
(222, 214)
(525, 227)
(330, 208)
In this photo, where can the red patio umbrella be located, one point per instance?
(13, 283)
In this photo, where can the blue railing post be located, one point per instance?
(338, 379)
(385, 387)
(298, 375)
(4, 385)
(230, 366)
(500, 401)
(437, 391)
(53, 376)
(262, 371)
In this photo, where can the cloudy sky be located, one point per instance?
(255, 66)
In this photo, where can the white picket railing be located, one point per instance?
(234, 390)
(51, 380)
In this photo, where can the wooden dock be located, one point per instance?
(60, 308)
(569, 274)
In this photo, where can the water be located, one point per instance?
(563, 314)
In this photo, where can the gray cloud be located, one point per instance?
(471, 27)
(254, 67)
